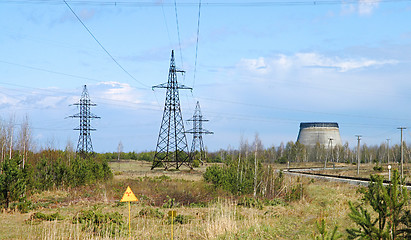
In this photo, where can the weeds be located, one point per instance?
(150, 212)
(39, 216)
(170, 203)
(180, 219)
(100, 223)
(251, 203)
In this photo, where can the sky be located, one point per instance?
(261, 68)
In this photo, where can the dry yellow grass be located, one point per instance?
(221, 220)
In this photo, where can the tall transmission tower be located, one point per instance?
(172, 148)
(84, 145)
(198, 132)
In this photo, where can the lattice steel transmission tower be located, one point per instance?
(198, 131)
(172, 148)
(84, 145)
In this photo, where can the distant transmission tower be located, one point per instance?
(172, 149)
(198, 132)
(84, 145)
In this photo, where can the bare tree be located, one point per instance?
(3, 140)
(258, 146)
(9, 135)
(69, 150)
(25, 139)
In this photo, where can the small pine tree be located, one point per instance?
(388, 203)
(12, 181)
(324, 235)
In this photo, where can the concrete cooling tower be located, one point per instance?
(321, 132)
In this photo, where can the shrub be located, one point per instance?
(150, 212)
(377, 168)
(39, 216)
(100, 223)
(181, 219)
(170, 203)
(25, 206)
(196, 163)
(282, 160)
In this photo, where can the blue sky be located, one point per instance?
(261, 68)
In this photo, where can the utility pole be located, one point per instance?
(402, 153)
(172, 148)
(198, 132)
(84, 145)
(388, 150)
(358, 154)
(332, 155)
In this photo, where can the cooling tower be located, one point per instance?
(321, 132)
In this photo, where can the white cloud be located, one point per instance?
(7, 101)
(364, 7)
(311, 79)
(121, 92)
(283, 62)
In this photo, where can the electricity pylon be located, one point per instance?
(172, 149)
(84, 145)
(198, 131)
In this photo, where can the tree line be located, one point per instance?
(297, 152)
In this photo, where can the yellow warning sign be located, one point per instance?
(129, 196)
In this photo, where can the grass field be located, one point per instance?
(204, 212)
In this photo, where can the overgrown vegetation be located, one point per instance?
(39, 216)
(99, 223)
(44, 173)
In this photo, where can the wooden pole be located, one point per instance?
(129, 222)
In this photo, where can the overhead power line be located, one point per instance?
(101, 45)
(209, 4)
(178, 33)
(198, 33)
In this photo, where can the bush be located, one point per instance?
(181, 219)
(25, 206)
(100, 223)
(39, 216)
(170, 203)
(282, 160)
(150, 212)
(196, 163)
(377, 168)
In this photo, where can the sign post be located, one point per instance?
(172, 214)
(129, 197)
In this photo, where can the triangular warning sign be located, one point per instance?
(128, 196)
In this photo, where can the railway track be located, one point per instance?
(336, 178)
